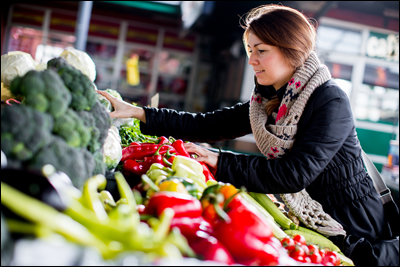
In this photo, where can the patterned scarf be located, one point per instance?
(275, 140)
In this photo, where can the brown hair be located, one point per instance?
(284, 27)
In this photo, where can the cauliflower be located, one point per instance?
(81, 61)
(14, 64)
(112, 149)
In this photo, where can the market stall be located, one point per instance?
(80, 188)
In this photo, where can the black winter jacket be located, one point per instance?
(325, 159)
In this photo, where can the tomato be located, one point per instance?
(297, 251)
(315, 257)
(312, 248)
(335, 256)
(305, 248)
(306, 259)
(322, 252)
(299, 238)
(298, 258)
(329, 260)
(288, 243)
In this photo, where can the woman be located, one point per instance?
(302, 123)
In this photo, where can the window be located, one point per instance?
(338, 40)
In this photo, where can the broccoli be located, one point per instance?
(77, 163)
(42, 90)
(82, 90)
(102, 120)
(72, 129)
(24, 131)
(90, 123)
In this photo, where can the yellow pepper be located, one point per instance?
(173, 185)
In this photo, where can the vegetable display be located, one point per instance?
(60, 121)
(175, 210)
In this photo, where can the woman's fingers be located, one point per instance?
(204, 155)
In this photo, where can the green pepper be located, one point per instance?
(42, 214)
(189, 162)
(90, 197)
(183, 171)
(154, 174)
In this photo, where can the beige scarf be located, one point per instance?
(275, 140)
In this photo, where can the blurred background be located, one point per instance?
(191, 53)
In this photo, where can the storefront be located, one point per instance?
(165, 59)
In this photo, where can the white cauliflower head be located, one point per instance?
(81, 61)
(15, 63)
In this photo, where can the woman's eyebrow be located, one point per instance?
(254, 45)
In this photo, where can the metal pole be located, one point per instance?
(82, 24)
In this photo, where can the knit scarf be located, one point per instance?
(275, 140)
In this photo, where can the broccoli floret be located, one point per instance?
(82, 90)
(24, 131)
(102, 120)
(72, 129)
(100, 166)
(43, 91)
(74, 162)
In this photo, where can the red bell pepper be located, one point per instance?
(209, 248)
(135, 167)
(180, 149)
(184, 205)
(247, 237)
(189, 226)
(143, 150)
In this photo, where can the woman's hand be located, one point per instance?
(204, 155)
(123, 109)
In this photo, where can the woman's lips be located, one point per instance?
(259, 72)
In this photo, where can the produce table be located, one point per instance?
(80, 188)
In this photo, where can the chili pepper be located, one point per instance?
(209, 248)
(180, 149)
(184, 205)
(156, 157)
(169, 156)
(160, 140)
(207, 173)
(252, 238)
(143, 150)
(135, 167)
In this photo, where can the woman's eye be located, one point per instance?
(261, 51)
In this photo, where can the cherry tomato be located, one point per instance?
(322, 252)
(305, 248)
(299, 238)
(297, 251)
(298, 258)
(312, 248)
(288, 243)
(306, 259)
(315, 257)
(336, 260)
(329, 260)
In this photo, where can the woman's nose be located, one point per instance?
(252, 60)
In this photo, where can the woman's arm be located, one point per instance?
(222, 124)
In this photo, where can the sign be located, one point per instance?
(384, 46)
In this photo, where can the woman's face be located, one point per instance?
(268, 62)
